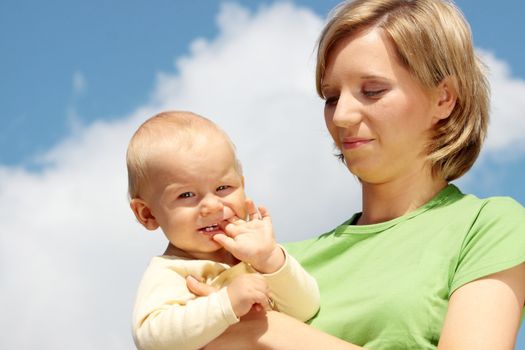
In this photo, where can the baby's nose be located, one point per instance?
(210, 205)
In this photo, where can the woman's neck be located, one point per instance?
(389, 200)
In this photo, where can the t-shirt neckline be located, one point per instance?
(349, 228)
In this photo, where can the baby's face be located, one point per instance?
(193, 190)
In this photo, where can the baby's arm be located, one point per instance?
(168, 316)
(292, 289)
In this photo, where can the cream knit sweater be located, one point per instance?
(167, 316)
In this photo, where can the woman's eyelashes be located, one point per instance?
(331, 100)
(374, 89)
(369, 93)
(373, 92)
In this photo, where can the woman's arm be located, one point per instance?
(269, 330)
(485, 313)
(275, 330)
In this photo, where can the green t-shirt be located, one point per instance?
(387, 285)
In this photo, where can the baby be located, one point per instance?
(184, 177)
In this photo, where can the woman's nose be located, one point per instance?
(210, 204)
(346, 112)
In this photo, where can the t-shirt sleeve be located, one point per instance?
(494, 243)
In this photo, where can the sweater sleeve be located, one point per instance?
(168, 316)
(293, 290)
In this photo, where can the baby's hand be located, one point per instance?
(247, 291)
(253, 241)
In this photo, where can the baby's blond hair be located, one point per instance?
(170, 127)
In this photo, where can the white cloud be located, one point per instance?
(507, 123)
(79, 82)
(505, 142)
(74, 120)
(71, 253)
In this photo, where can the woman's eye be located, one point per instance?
(186, 195)
(330, 101)
(373, 93)
(223, 187)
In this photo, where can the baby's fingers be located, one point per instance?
(264, 302)
(233, 227)
(264, 212)
(198, 288)
(263, 292)
(265, 216)
(253, 213)
(227, 242)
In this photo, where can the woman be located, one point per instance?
(422, 266)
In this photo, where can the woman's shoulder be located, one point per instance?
(499, 207)
(494, 241)
(503, 204)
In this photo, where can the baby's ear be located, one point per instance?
(143, 213)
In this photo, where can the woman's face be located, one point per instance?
(377, 113)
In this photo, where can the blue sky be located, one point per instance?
(78, 76)
(119, 46)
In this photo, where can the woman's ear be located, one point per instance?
(143, 213)
(446, 99)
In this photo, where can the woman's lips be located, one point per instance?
(354, 142)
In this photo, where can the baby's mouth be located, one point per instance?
(212, 229)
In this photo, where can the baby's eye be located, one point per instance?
(186, 195)
(223, 187)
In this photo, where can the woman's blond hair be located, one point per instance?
(433, 41)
